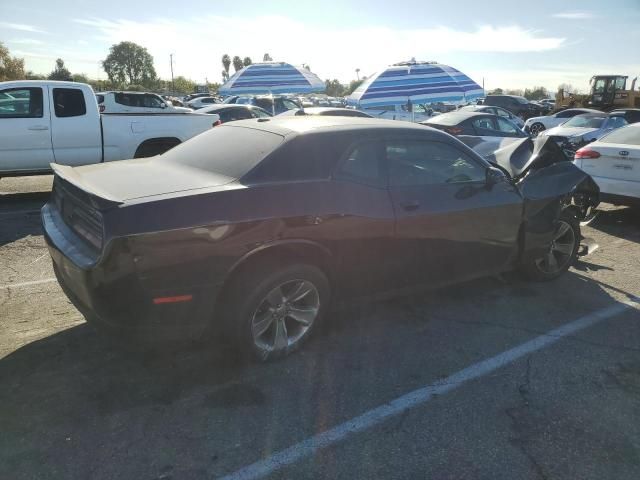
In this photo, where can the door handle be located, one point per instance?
(410, 205)
(38, 127)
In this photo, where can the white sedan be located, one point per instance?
(535, 125)
(135, 102)
(202, 102)
(613, 162)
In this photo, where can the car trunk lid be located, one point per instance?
(616, 161)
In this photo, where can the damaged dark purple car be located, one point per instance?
(252, 229)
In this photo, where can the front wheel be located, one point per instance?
(271, 313)
(561, 253)
(536, 129)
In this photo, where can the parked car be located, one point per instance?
(201, 102)
(415, 113)
(517, 105)
(325, 111)
(275, 104)
(193, 96)
(614, 163)
(483, 132)
(535, 125)
(135, 102)
(501, 112)
(233, 112)
(59, 122)
(631, 115)
(251, 229)
(583, 129)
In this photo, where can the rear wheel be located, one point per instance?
(272, 312)
(536, 128)
(561, 253)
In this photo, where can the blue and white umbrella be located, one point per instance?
(418, 82)
(272, 77)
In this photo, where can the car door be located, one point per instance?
(76, 130)
(25, 135)
(449, 224)
(364, 230)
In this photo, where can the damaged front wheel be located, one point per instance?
(561, 253)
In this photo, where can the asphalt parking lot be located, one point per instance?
(493, 379)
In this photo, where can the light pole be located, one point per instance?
(358, 73)
(173, 87)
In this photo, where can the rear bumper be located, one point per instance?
(111, 296)
(620, 192)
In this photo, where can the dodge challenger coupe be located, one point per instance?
(251, 229)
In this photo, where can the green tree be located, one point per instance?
(334, 88)
(80, 78)
(353, 85)
(11, 68)
(60, 72)
(536, 93)
(495, 91)
(514, 91)
(267, 58)
(237, 63)
(226, 63)
(29, 75)
(129, 63)
(246, 61)
(184, 85)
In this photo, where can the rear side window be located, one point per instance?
(128, 99)
(362, 164)
(306, 157)
(483, 124)
(21, 103)
(69, 102)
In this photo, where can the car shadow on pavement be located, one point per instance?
(77, 378)
(618, 222)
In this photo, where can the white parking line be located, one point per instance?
(27, 284)
(421, 396)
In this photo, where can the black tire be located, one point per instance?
(248, 292)
(536, 128)
(534, 268)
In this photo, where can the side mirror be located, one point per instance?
(163, 105)
(495, 176)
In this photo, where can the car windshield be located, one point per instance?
(629, 135)
(225, 150)
(585, 121)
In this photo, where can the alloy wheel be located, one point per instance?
(285, 315)
(536, 128)
(560, 251)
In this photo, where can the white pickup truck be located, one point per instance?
(45, 122)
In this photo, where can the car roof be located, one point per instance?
(457, 117)
(229, 106)
(302, 124)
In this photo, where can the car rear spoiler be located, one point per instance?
(101, 200)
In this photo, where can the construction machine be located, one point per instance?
(606, 92)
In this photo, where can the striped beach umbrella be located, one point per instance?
(418, 82)
(272, 77)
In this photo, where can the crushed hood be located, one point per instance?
(518, 157)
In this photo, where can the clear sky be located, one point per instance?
(509, 44)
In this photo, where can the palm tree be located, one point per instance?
(358, 73)
(237, 63)
(226, 63)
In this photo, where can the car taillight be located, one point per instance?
(453, 130)
(586, 152)
(216, 123)
(101, 108)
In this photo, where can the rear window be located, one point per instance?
(306, 157)
(626, 136)
(446, 119)
(225, 150)
(584, 121)
(69, 102)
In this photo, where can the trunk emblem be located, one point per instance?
(624, 153)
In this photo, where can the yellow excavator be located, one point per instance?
(607, 92)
